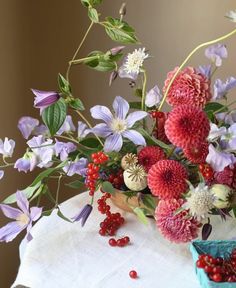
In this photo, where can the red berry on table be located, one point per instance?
(208, 268)
(121, 243)
(126, 239)
(112, 242)
(133, 274)
(217, 277)
(200, 264)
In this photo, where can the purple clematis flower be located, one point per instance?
(1, 174)
(227, 118)
(7, 147)
(153, 97)
(27, 125)
(205, 70)
(44, 99)
(229, 138)
(216, 53)
(24, 218)
(27, 163)
(216, 132)
(67, 127)
(118, 126)
(83, 130)
(222, 88)
(78, 166)
(83, 214)
(64, 149)
(218, 159)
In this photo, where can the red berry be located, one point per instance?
(121, 242)
(112, 242)
(133, 274)
(208, 269)
(200, 264)
(217, 277)
(126, 239)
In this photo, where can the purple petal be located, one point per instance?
(101, 112)
(35, 213)
(29, 237)
(83, 214)
(22, 202)
(26, 125)
(76, 167)
(216, 53)
(113, 143)
(41, 130)
(10, 231)
(1, 174)
(101, 130)
(83, 130)
(153, 97)
(9, 211)
(45, 98)
(124, 74)
(67, 126)
(134, 137)
(116, 50)
(22, 164)
(205, 70)
(121, 107)
(134, 117)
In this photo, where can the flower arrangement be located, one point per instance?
(179, 165)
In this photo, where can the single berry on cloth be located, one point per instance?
(189, 87)
(167, 179)
(196, 153)
(150, 155)
(187, 125)
(176, 227)
(133, 274)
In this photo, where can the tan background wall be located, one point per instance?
(37, 38)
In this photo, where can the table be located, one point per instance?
(64, 255)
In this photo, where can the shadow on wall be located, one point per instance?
(38, 38)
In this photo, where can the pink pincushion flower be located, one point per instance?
(189, 87)
(176, 227)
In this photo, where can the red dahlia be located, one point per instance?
(167, 179)
(189, 87)
(159, 131)
(196, 153)
(150, 155)
(177, 227)
(187, 125)
(226, 177)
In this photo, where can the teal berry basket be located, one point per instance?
(216, 249)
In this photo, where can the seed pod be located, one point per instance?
(135, 178)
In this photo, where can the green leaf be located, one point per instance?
(215, 106)
(138, 92)
(234, 211)
(47, 212)
(107, 187)
(54, 116)
(61, 215)
(29, 191)
(149, 201)
(141, 216)
(40, 190)
(96, 2)
(93, 14)
(86, 3)
(105, 66)
(90, 142)
(64, 85)
(75, 184)
(135, 105)
(77, 104)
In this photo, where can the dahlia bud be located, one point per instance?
(222, 194)
(135, 178)
(128, 160)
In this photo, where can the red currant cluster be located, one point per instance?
(157, 114)
(116, 179)
(218, 269)
(120, 242)
(206, 171)
(93, 171)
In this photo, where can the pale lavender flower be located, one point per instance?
(124, 74)
(26, 125)
(216, 53)
(1, 174)
(27, 163)
(44, 99)
(83, 214)
(67, 127)
(78, 166)
(205, 70)
(24, 217)
(216, 132)
(7, 147)
(153, 97)
(230, 137)
(44, 150)
(41, 130)
(218, 159)
(118, 126)
(83, 130)
(222, 88)
(228, 118)
(64, 149)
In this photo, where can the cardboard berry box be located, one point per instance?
(216, 249)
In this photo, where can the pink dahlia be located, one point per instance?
(226, 177)
(167, 179)
(189, 87)
(150, 155)
(196, 153)
(176, 227)
(187, 125)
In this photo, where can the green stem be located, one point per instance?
(67, 138)
(78, 49)
(7, 165)
(78, 61)
(58, 190)
(143, 107)
(222, 108)
(188, 57)
(213, 72)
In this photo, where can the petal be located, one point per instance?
(29, 237)
(101, 130)
(121, 107)
(124, 74)
(1, 174)
(101, 112)
(134, 137)
(113, 143)
(134, 117)
(26, 125)
(153, 97)
(10, 231)
(35, 213)
(22, 202)
(9, 211)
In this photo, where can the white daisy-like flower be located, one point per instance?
(199, 201)
(134, 61)
(231, 15)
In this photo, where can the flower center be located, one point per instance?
(118, 125)
(23, 219)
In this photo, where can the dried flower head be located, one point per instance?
(135, 178)
(128, 160)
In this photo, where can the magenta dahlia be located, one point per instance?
(167, 179)
(150, 155)
(176, 227)
(226, 177)
(187, 125)
(189, 87)
(196, 153)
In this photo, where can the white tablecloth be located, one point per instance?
(64, 255)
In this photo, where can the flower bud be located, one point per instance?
(222, 195)
(116, 50)
(122, 10)
(112, 77)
